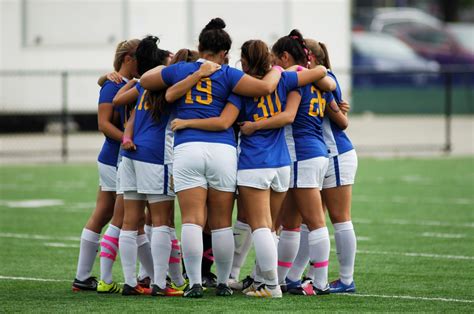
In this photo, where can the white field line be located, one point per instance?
(36, 237)
(409, 200)
(32, 279)
(60, 245)
(404, 297)
(415, 223)
(36, 203)
(443, 235)
(415, 254)
(408, 297)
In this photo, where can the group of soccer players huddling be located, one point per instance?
(270, 137)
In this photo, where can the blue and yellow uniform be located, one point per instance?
(305, 139)
(147, 169)
(204, 158)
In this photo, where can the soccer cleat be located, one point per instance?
(234, 284)
(337, 286)
(305, 288)
(324, 291)
(90, 284)
(104, 287)
(209, 280)
(145, 282)
(182, 287)
(195, 291)
(137, 290)
(223, 290)
(253, 287)
(292, 284)
(241, 285)
(264, 291)
(166, 292)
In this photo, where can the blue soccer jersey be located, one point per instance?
(110, 149)
(305, 136)
(336, 139)
(153, 139)
(265, 148)
(206, 99)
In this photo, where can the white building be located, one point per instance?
(81, 35)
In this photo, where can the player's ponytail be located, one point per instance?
(257, 57)
(213, 38)
(319, 51)
(294, 45)
(124, 48)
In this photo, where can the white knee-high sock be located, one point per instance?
(128, 255)
(242, 243)
(302, 258)
(319, 247)
(266, 252)
(108, 252)
(87, 253)
(191, 241)
(346, 246)
(160, 249)
(223, 251)
(287, 251)
(141, 270)
(144, 255)
(174, 269)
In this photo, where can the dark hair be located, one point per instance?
(295, 45)
(149, 55)
(214, 38)
(257, 56)
(319, 50)
(157, 99)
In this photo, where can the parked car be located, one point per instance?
(381, 59)
(464, 33)
(425, 34)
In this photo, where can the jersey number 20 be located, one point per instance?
(317, 104)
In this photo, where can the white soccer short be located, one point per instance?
(278, 179)
(202, 164)
(118, 188)
(152, 180)
(107, 177)
(342, 170)
(309, 173)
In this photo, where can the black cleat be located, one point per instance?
(324, 291)
(90, 284)
(195, 291)
(138, 290)
(209, 280)
(223, 290)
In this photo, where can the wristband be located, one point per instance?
(126, 139)
(279, 68)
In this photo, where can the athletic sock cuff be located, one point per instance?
(241, 225)
(142, 239)
(343, 226)
(164, 229)
(191, 226)
(221, 230)
(318, 234)
(90, 236)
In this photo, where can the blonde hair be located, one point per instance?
(124, 49)
(319, 50)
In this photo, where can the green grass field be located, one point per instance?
(414, 219)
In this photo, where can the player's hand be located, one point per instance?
(129, 145)
(114, 77)
(178, 124)
(344, 106)
(208, 68)
(248, 128)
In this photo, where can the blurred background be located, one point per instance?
(407, 67)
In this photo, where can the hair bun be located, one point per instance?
(152, 38)
(295, 34)
(216, 23)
